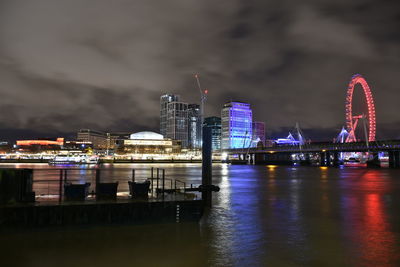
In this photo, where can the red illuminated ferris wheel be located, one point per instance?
(368, 118)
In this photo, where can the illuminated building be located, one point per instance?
(236, 125)
(177, 122)
(215, 124)
(174, 118)
(164, 100)
(41, 142)
(77, 145)
(149, 143)
(39, 145)
(5, 147)
(116, 138)
(258, 133)
(194, 126)
(97, 138)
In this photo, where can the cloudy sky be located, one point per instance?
(100, 64)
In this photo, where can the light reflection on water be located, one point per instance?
(263, 215)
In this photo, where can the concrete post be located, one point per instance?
(206, 166)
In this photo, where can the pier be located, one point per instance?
(78, 196)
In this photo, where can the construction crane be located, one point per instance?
(203, 98)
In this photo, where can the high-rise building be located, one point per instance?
(236, 125)
(258, 133)
(215, 124)
(97, 138)
(164, 100)
(177, 122)
(194, 126)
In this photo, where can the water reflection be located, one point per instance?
(367, 219)
(264, 216)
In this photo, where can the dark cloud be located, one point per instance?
(66, 65)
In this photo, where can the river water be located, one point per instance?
(262, 216)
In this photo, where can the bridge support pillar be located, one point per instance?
(251, 159)
(278, 158)
(307, 160)
(259, 158)
(336, 159)
(391, 159)
(374, 161)
(325, 158)
(328, 159)
(394, 159)
(322, 159)
(397, 159)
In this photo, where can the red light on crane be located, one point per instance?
(206, 91)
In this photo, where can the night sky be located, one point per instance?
(71, 64)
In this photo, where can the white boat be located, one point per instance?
(74, 159)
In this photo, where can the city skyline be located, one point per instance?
(275, 56)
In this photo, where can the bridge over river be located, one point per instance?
(326, 153)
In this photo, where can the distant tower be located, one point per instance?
(236, 123)
(164, 100)
(177, 122)
(194, 126)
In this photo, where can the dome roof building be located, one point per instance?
(146, 135)
(149, 143)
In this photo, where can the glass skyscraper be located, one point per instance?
(236, 124)
(164, 100)
(177, 122)
(194, 126)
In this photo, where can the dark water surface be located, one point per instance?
(263, 216)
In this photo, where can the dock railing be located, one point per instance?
(49, 183)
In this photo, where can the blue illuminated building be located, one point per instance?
(236, 124)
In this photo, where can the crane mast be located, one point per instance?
(203, 98)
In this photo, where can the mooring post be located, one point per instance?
(133, 175)
(163, 182)
(206, 167)
(97, 179)
(151, 178)
(60, 188)
(158, 177)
